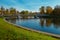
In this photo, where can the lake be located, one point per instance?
(50, 25)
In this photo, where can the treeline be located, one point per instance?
(8, 12)
(50, 11)
(12, 12)
(43, 10)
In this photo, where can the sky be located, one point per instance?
(31, 5)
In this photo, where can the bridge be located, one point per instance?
(27, 15)
(33, 16)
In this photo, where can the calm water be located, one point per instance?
(45, 25)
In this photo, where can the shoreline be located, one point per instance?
(29, 29)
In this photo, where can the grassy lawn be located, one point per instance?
(11, 32)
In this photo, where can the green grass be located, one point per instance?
(11, 32)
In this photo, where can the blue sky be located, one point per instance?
(31, 5)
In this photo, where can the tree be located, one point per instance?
(49, 10)
(6, 12)
(13, 11)
(2, 10)
(24, 14)
(56, 10)
(42, 10)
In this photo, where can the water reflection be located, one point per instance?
(51, 25)
(48, 22)
(12, 20)
(43, 22)
(56, 22)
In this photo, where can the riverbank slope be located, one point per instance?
(12, 32)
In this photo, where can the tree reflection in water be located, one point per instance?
(56, 22)
(47, 22)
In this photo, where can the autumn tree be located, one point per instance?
(56, 10)
(42, 10)
(49, 10)
(2, 10)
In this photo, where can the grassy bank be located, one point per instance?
(11, 32)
